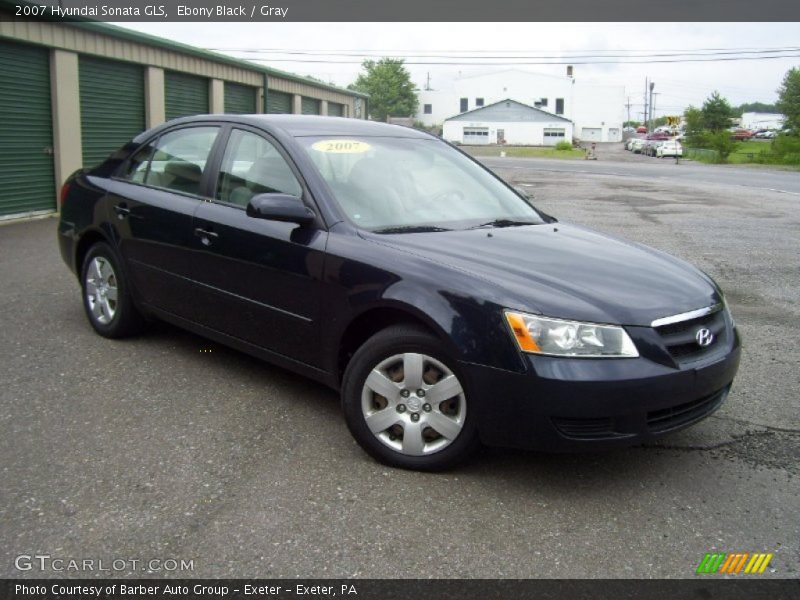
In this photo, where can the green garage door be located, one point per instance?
(240, 99)
(112, 106)
(26, 130)
(185, 95)
(335, 109)
(309, 106)
(279, 103)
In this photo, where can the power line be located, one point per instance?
(531, 63)
(535, 57)
(482, 53)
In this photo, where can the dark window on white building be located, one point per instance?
(464, 104)
(543, 102)
(559, 106)
(478, 102)
(427, 109)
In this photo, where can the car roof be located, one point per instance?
(306, 125)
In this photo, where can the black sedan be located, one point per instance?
(391, 266)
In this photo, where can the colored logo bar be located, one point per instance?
(734, 563)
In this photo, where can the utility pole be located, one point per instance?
(650, 122)
(644, 121)
(628, 106)
(428, 82)
(653, 111)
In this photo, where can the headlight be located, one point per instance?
(557, 337)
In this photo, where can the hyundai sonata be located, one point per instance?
(380, 260)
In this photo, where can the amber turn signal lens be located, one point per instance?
(524, 340)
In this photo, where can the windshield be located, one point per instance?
(399, 184)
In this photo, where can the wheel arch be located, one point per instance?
(371, 320)
(86, 241)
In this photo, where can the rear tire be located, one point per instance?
(106, 295)
(395, 410)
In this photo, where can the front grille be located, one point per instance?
(679, 338)
(683, 414)
(586, 429)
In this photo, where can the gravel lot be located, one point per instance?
(169, 446)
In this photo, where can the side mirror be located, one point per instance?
(280, 207)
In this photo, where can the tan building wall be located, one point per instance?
(65, 98)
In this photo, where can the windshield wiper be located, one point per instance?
(411, 229)
(503, 223)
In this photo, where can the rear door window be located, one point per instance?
(177, 160)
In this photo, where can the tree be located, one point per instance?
(693, 118)
(659, 121)
(762, 107)
(722, 142)
(388, 83)
(717, 113)
(789, 101)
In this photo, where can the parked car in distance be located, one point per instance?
(669, 148)
(389, 265)
(765, 135)
(637, 145)
(641, 129)
(650, 146)
(742, 134)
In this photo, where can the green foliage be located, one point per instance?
(694, 126)
(754, 107)
(786, 149)
(789, 100)
(717, 113)
(720, 141)
(563, 146)
(389, 86)
(632, 124)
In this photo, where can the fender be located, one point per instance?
(458, 321)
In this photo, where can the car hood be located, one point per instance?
(564, 270)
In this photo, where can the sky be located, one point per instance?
(677, 84)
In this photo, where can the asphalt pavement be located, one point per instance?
(613, 160)
(167, 446)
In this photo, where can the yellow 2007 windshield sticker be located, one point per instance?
(341, 146)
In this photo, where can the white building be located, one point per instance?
(596, 110)
(508, 122)
(757, 120)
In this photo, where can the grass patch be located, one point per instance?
(524, 152)
(749, 151)
(784, 154)
(709, 157)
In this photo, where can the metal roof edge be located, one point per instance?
(153, 40)
(474, 110)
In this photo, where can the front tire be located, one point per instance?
(406, 403)
(106, 295)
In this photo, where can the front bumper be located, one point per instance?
(572, 404)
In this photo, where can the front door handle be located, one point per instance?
(205, 235)
(122, 211)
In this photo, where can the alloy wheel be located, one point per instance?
(414, 404)
(101, 290)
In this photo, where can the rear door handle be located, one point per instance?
(122, 211)
(205, 235)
